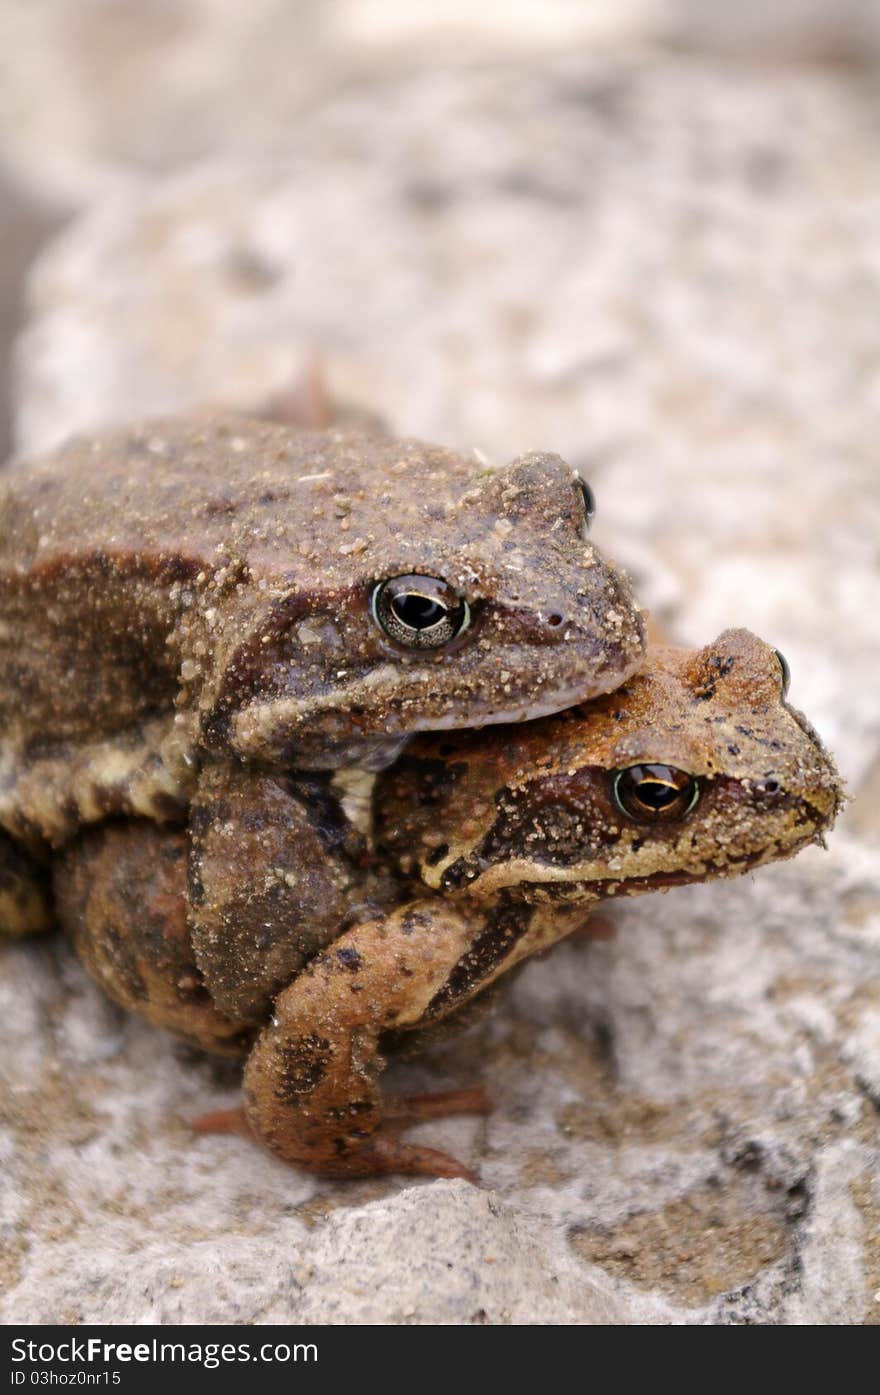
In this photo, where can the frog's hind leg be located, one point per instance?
(306, 401)
(311, 1082)
(121, 894)
(25, 899)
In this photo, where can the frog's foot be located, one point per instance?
(306, 401)
(224, 1121)
(440, 1104)
(311, 1082)
(386, 1153)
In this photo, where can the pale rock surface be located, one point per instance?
(93, 89)
(668, 271)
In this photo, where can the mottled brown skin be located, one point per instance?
(202, 587)
(25, 905)
(531, 808)
(276, 867)
(124, 901)
(513, 833)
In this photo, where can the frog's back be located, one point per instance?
(109, 543)
(105, 541)
(214, 580)
(192, 491)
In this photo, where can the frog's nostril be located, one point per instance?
(768, 787)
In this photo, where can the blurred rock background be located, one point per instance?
(641, 232)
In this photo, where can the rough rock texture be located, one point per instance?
(24, 225)
(93, 89)
(667, 271)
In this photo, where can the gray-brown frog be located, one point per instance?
(311, 957)
(223, 591)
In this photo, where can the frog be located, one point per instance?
(488, 848)
(220, 589)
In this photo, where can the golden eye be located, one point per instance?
(419, 612)
(786, 671)
(655, 793)
(589, 499)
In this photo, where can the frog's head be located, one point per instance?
(696, 768)
(446, 600)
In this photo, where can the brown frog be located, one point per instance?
(500, 842)
(225, 589)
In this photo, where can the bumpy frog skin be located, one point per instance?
(268, 910)
(289, 598)
(533, 809)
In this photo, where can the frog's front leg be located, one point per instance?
(275, 867)
(311, 1081)
(25, 904)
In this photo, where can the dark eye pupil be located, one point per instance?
(655, 795)
(419, 612)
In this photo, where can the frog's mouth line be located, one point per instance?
(489, 867)
(602, 889)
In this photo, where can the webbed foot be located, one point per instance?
(385, 1152)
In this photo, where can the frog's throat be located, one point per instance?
(261, 724)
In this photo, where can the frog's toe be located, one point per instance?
(437, 1105)
(224, 1121)
(385, 1153)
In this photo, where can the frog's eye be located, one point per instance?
(419, 612)
(655, 793)
(589, 499)
(786, 671)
